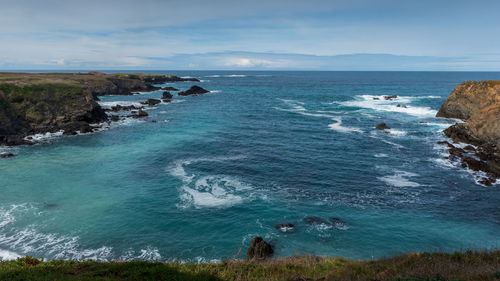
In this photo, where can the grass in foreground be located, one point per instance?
(467, 265)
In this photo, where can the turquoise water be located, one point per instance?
(264, 148)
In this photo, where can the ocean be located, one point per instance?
(263, 148)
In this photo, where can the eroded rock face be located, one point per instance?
(42, 108)
(194, 91)
(469, 98)
(478, 103)
(259, 249)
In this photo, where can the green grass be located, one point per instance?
(467, 265)
(55, 91)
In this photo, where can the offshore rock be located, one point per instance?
(194, 91)
(167, 95)
(259, 249)
(382, 126)
(390, 97)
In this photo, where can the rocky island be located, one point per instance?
(33, 103)
(478, 104)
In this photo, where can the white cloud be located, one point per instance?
(254, 62)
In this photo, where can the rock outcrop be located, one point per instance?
(32, 103)
(259, 249)
(478, 104)
(194, 91)
(46, 107)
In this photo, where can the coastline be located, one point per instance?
(36, 104)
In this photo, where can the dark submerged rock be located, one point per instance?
(194, 91)
(337, 221)
(390, 97)
(382, 126)
(6, 155)
(259, 249)
(315, 220)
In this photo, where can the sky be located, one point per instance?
(250, 35)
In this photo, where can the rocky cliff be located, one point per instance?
(478, 104)
(32, 103)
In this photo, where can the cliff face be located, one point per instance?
(478, 103)
(48, 107)
(32, 103)
(469, 98)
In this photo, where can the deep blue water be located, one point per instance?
(264, 148)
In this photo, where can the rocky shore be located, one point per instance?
(478, 104)
(39, 103)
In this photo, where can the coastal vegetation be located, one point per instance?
(467, 265)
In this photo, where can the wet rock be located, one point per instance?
(487, 181)
(170, 89)
(456, 151)
(474, 164)
(403, 106)
(259, 249)
(390, 97)
(194, 91)
(284, 227)
(447, 143)
(167, 95)
(151, 102)
(7, 155)
(114, 118)
(382, 126)
(376, 98)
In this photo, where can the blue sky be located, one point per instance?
(267, 35)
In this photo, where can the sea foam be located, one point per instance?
(378, 103)
(400, 179)
(209, 191)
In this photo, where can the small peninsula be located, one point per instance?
(478, 104)
(38, 103)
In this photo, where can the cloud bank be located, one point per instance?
(279, 34)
